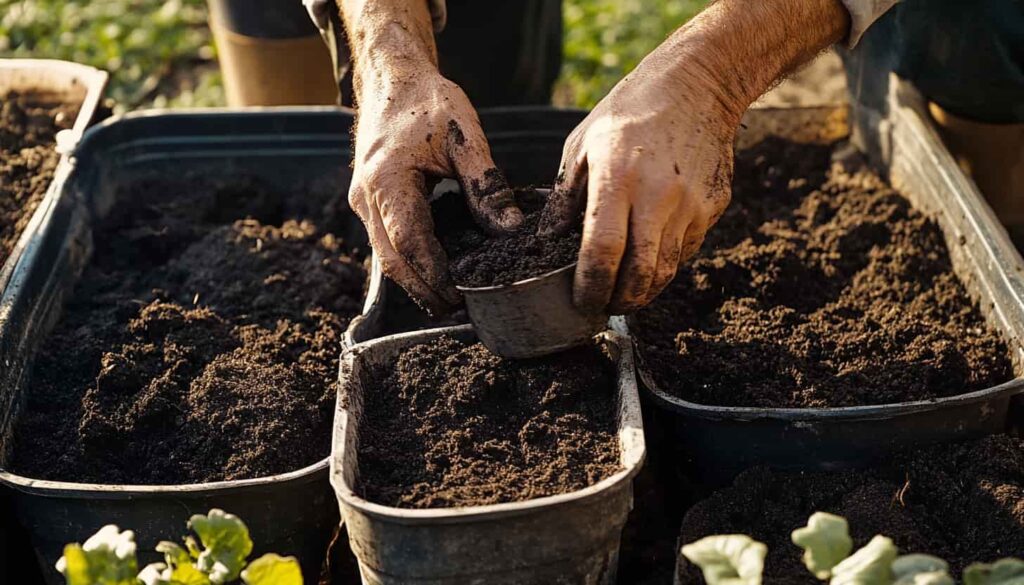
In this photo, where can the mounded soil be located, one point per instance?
(477, 259)
(451, 424)
(27, 160)
(201, 342)
(819, 287)
(963, 503)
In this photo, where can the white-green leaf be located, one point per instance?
(271, 569)
(106, 558)
(731, 559)
(174, 553)
(155, 574)
(826, 541)
(919, 569)
(1002, 572)
(871, 565)
(178, 568)
(226, 544)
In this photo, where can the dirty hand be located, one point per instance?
(415, 125)
(651, 167)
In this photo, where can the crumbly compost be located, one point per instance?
(820, 287)
(201, 342)
(451, 424)
(28, 160)
(477, 259)
(962, 502)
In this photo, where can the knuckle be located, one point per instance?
(357, 200)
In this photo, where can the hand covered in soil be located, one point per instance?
(650, 168)
(414, 125)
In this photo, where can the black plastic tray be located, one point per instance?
(713, 443)
(292, 513)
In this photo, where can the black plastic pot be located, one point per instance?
(292, 513)
(570, 538)
(526, 143)
(713, 443)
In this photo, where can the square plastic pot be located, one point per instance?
(292, 513)
(569, 538)
(711, 444)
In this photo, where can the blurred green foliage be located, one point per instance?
(606, 39)
(160, 52)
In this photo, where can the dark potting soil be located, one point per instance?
(963, 503)
(477, 259)
(451, 424)
(201, 342)
(820, 286)
(27, 160)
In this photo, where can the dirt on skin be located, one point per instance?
(451, 424)
(477, 259)
(820, 287)
(963, 503)
(27, 160)
(197, 346)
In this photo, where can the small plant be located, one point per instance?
(737, 559)
(108, 558)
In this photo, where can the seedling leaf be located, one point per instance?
(1002, 572)
(107, 558)
(871, 565)
(918, 569)
(826, 541)
(731, 559)
(226, 544)
(271, 569)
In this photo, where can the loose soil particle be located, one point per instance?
(963, 503)
(452, 424)
(27, 160)
(820, 287)
(477, 259)
(197, 346)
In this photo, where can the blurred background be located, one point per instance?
(161, 53)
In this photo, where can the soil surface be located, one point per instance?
(820, 286)
(452, 424)
(27, 160)
(201, 342)
(963, 503)
(477, 259)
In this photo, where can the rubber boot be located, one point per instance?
(992, 155)
(271, 54)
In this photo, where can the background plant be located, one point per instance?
(218, 556)
(160, 52)
(737, 559)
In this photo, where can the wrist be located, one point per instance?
(737, 49)
(391, 41)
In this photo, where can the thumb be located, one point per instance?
(487, 192)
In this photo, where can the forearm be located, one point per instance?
(388, 39)
(744, 46)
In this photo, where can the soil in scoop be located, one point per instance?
(477, 259)
(820, 286)
(963, 503)
(201, 342)
(451, 424)
(27, 160)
